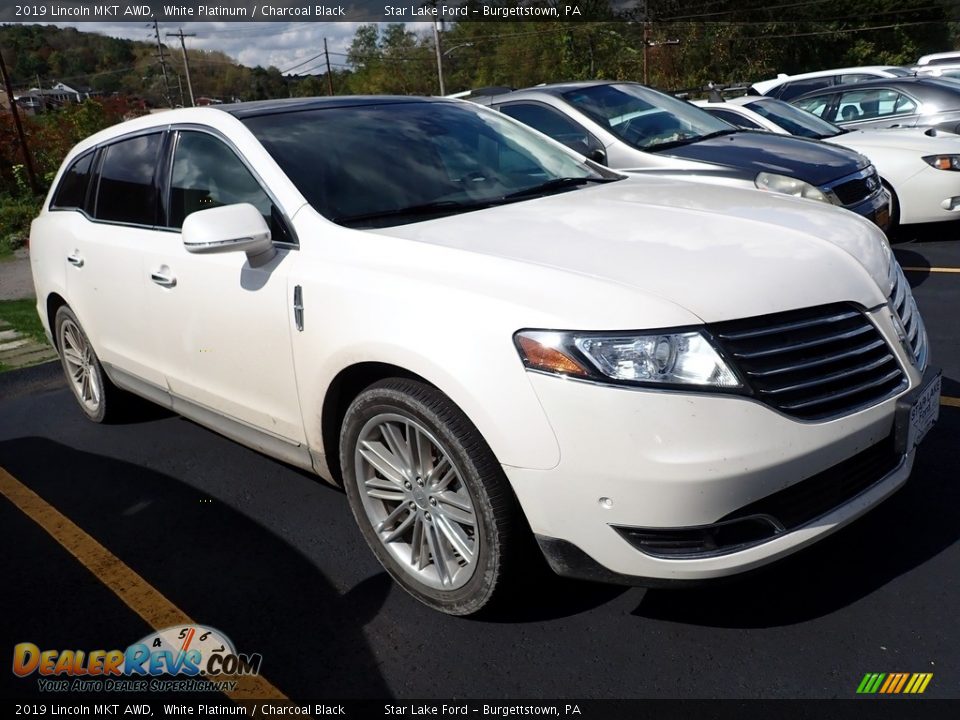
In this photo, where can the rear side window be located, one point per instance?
(126, 192)
(72, 191)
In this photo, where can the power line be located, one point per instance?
(833, 32)
(805, 3)
(818, 21)
(309, 59)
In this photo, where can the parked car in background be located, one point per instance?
(947, 70)
(786, 87)
(920, 167)
(940, 58)
(628, 126)
(484, 336)
(894, 102)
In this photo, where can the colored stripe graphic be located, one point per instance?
(894, 683)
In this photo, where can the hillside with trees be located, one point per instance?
(676, 44)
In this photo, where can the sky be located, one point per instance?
(283, 45)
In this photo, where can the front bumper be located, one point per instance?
(876, 209)
(930, 195)
(633, 458)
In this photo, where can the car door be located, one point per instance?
(105, 248)
(221, 328)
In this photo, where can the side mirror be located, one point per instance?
(598, 156)
(227, 229)
(581, 146)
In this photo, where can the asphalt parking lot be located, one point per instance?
(270, 556)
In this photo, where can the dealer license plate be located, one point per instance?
(919, 413)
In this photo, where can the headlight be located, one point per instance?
(943, 162)
(683, 358)
(789, 186)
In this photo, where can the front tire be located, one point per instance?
(429, 496)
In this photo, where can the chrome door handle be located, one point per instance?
(163, 280)
(75, 260)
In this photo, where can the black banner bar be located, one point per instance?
(861, 709)
(185, 11)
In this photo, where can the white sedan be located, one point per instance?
(920, 167)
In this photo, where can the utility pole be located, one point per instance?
(329, 71)
(183, 102)
(436, 46)
(646, 50)
(163, 63)
(27, 161)
(186, 63)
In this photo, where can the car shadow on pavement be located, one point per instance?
(904, 235)
(908, 529)
(214, 562)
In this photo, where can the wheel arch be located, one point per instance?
(345, 386)
(55, 301)
(895, 210)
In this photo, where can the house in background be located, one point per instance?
(77, 94)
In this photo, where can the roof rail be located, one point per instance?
(489, 91)
(713, 91)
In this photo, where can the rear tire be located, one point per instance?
(429, 496)
(99, 399)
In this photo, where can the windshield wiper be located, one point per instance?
(687, 141)
(557, 184)
(437, 207)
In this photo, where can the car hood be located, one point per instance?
(719, 253)
(810, 160)
(900, 139)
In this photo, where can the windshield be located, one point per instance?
(645, 118)
(794, 120)
(400, 162)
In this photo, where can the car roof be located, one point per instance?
(764, 86)
(932, 85)
(214, 115)
(927, 59)
(286, 105)
(556, 89)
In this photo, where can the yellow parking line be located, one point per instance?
(931, 269)
(139, 595)
(951, 401)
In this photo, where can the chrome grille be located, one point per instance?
(905, 308)
(814, 363)
(856, 188)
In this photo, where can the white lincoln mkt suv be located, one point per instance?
(482, 335)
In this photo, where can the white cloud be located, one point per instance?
(283, 45)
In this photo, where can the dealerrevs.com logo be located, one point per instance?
(188, 658)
